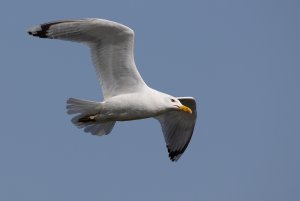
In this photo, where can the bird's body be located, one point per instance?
(125, 107)
(126, 95)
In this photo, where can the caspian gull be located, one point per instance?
(126, 96)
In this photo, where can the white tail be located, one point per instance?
(86, 111)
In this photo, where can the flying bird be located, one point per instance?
(125, 94)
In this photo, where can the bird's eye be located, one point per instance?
(172, 100)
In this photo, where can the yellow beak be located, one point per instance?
(185, 109)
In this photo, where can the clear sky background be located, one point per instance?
(239, 59)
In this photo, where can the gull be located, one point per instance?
(125, 94)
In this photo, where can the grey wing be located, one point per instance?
(178, 127)
(111, 47)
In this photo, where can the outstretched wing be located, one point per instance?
(178, 127)
(111, 46)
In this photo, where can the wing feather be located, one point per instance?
(112, 49)
(178, 127)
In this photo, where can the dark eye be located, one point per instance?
(172, 100)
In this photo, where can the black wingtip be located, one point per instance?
(41, 31)
(37, 34)
(174, 155)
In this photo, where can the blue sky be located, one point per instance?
(239, 59)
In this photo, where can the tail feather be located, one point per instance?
(86, 112)
(81, 106)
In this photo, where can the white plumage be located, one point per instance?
(126, 96)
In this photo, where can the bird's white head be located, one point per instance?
(174, 104)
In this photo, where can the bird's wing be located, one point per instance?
(111, 46)
(178, 127)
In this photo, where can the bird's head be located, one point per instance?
(174, 104)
